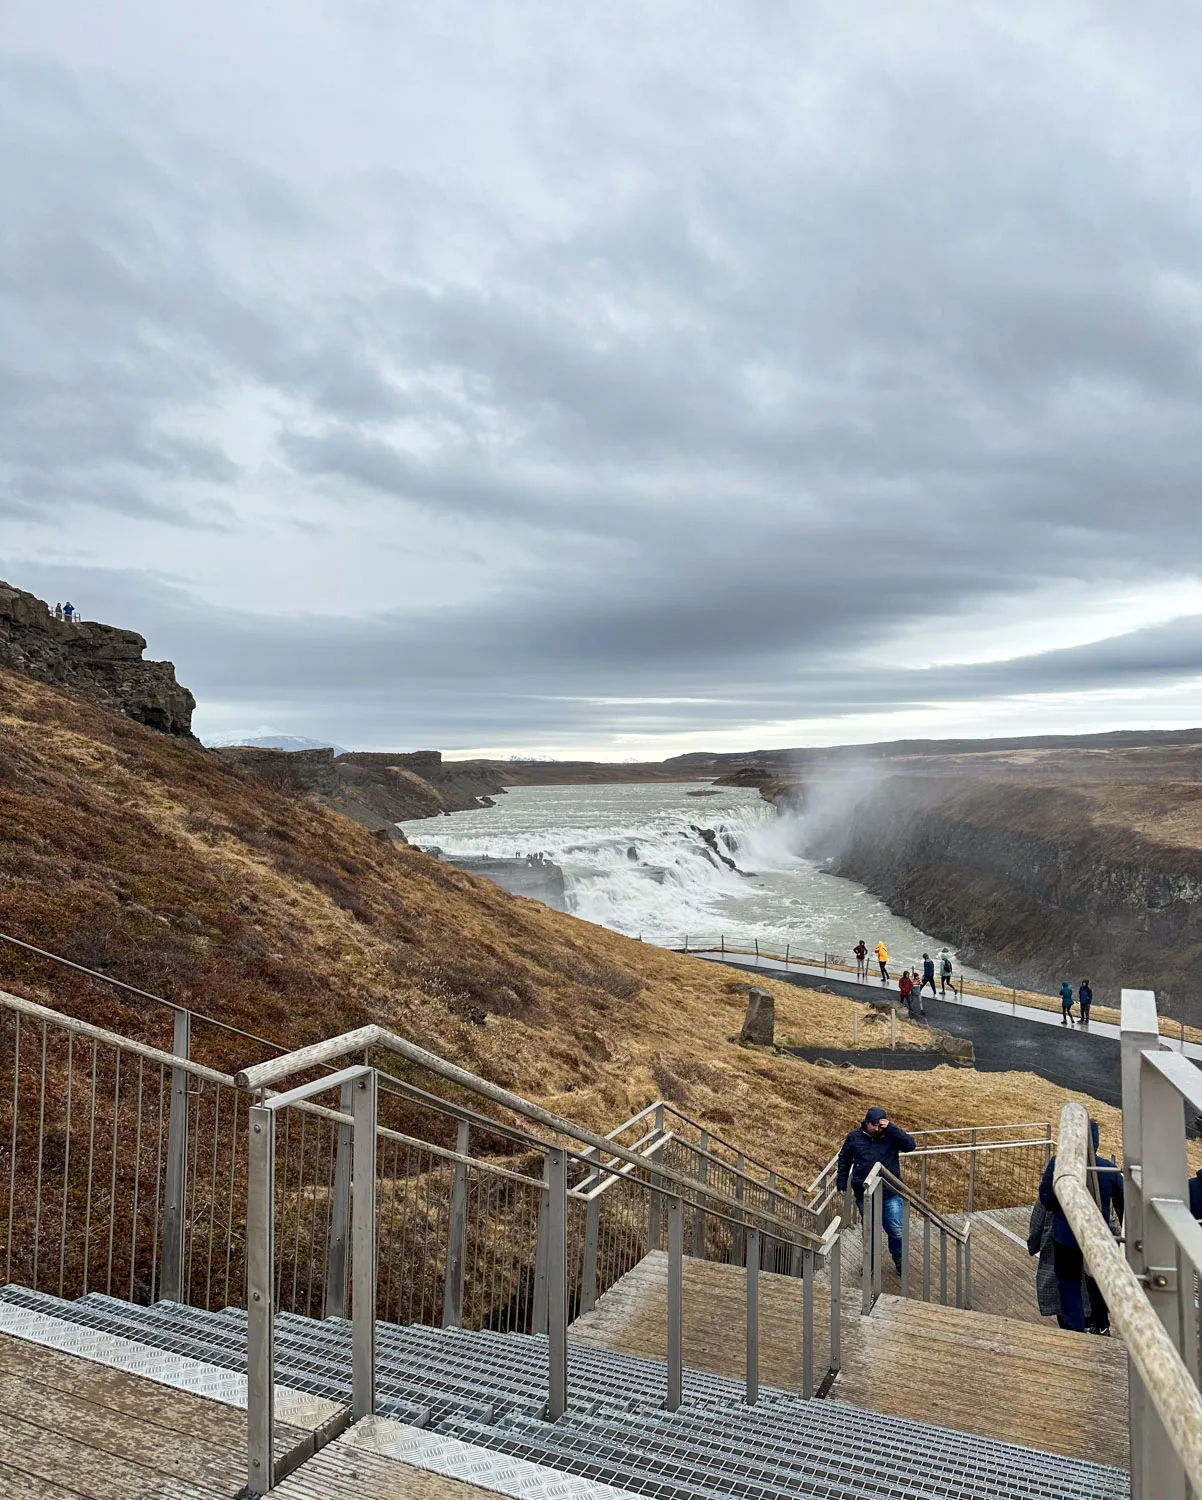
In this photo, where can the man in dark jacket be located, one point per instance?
(1067, 1253)
(877, 1139)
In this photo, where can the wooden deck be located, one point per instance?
(1000, 1371)
(70, 1427)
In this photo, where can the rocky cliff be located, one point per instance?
(1040, 881)
(98, 662)
(378, 790)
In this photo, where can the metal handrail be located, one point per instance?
(275, 1070)
(1165, 1378)
(915, 1200)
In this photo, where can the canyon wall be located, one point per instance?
(1039, 881)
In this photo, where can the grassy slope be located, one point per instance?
(172, 870)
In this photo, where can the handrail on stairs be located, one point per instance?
(877, 1184)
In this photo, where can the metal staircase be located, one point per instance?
(489, 1390)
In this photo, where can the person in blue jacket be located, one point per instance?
(1066, 1004)
(876, 1139)
(1066, 1252)
(928, 977)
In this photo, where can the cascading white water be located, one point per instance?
(674, 885)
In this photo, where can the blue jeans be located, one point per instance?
(891, 1214)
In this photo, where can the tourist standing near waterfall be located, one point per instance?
(861, 953)
(882, 958)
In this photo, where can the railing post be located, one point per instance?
(795, 1257)
(968, 1271)
(557, 1283)
(959, 1273)
(363, 1248)
(926, 1258)
(905, 1255)
(260, 1302)
(807, 1324)
(675, 1301)
(753, 1317)
(943, 1267)
(972, 1173)
(738, 1238)
(539, 1312)
(1140, 1030)
(836, 1271)
(878, 1238)
(592, 1235)
(699, 1211)
(338, 1262)
(452, 1296)
(175, 1202)
(866, 1253)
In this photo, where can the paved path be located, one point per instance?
(1005, 1038)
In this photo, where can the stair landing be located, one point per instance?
(975, 1372)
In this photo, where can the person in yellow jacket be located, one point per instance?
(882, 958)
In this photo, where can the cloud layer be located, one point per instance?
(610, 381)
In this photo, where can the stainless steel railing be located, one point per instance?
(880, 1184)
(601, 1205)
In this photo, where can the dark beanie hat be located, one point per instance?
(875, 1115)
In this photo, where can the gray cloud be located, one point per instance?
(703, 381)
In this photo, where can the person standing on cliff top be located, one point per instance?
(58, 611)
(882, 958)
(861, 953)
(1066, 1004)
(68, 611)
(1085, 996)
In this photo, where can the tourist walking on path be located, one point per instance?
(928, 977)
(1085, 996)
(945, 972)
(1066, 1004)
(861, 952)
(905, 988)
(882, 958)
(1067, 1257)
(875, 1139)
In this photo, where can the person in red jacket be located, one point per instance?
(905, 986)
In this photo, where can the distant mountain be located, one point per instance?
(274, 742)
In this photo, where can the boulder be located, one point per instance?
(759, 1024)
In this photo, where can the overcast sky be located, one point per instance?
(615, 380)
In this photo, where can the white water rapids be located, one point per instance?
(674, 887)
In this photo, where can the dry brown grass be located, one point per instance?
(175, 871)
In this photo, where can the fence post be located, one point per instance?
(836, 1270)
(539, 1313)
(338, 1262)
(723, 945)
(968, 1270)
(557, 1283)
(795, 1266)
(943, 1267)
(171, 1278)
(878, 1238)
(699, 1211)
(363, 1249)
(892, 1028)
(959, 1274)
(926, 1258)
(972, 1172)
(855, 1028)
(807, 1324)
(866, 1254)
(738, 1241)
(452, 1296)
(787, 965)
(1047, 1145)
(753, 1317)
(260, 1301)
(675, 1300)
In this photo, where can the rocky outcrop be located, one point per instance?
(377, 790)
(759, 1024)
(99, 662)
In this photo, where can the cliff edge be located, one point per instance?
(99, 662)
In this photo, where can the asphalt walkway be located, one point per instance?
(1005, 1038)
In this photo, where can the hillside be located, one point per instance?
(172, 869)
